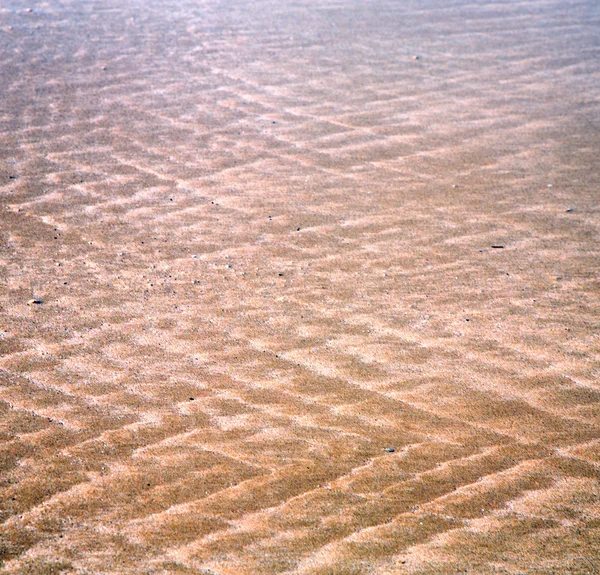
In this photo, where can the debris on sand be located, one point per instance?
(498, 247)
(35, 301)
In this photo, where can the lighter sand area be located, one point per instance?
(318, 287)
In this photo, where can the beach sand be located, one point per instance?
(317, 282)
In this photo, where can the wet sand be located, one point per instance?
(275, 335)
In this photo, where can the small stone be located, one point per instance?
(35, 302)
(196, 282)
(389, 449)
(569, 210)
(498, 247)
(455, 185)
(416, 57)
(29, 10)
(280, 275)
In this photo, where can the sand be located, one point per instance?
(273, 334)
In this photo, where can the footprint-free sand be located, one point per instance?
(318, 287)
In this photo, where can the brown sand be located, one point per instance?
(262, 234)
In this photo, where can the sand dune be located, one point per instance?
(275, 334)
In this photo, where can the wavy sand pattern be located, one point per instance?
(262, 233)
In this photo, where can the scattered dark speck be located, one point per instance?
(280, 275)
(191, 399)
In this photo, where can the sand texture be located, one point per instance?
(316, 283)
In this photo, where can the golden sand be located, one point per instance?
(313, 287)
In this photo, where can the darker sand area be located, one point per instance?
(275, 335)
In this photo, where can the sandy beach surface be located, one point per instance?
(302, 287)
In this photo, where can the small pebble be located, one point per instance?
(498, 247)
(280, 275)
(416, 57)
(34, 302)
(389, 449)
(569, 210)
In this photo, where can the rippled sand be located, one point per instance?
(275, 335)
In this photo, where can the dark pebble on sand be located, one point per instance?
(389, 449)
(498, 247)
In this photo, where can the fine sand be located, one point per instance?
(318, 286)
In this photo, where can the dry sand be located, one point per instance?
(261, 232)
